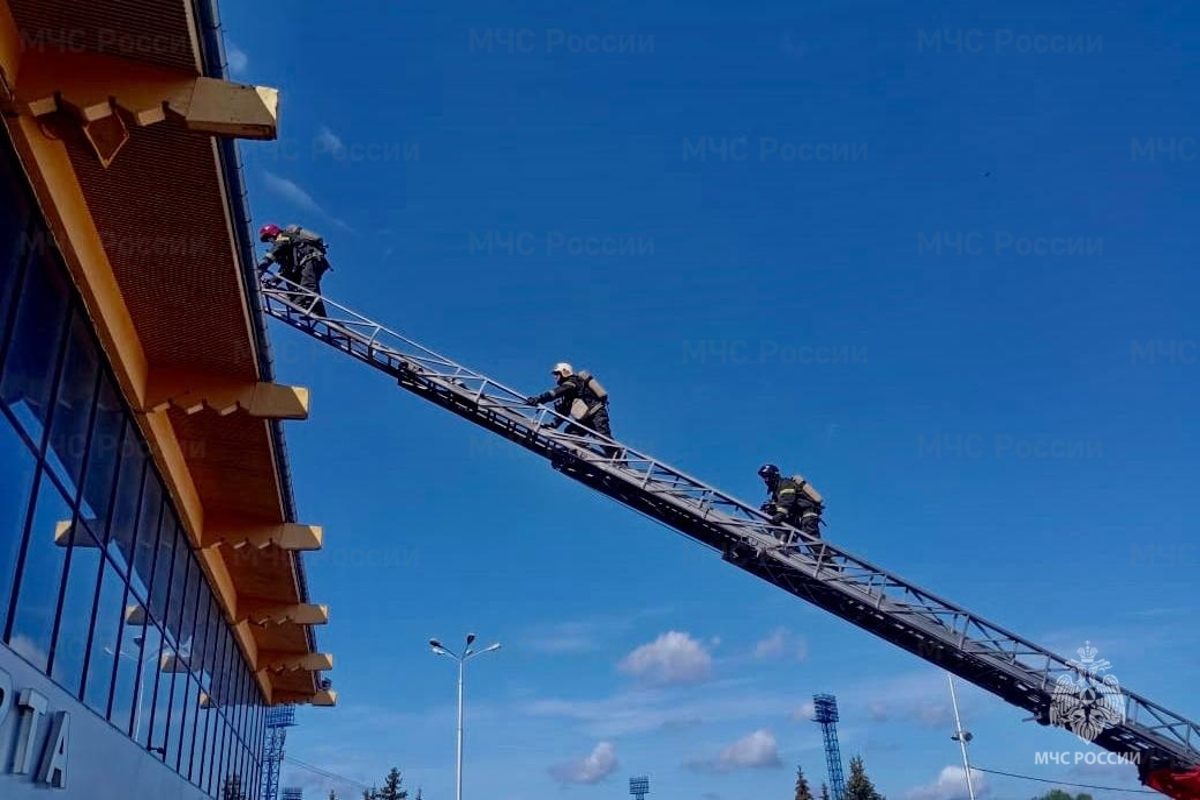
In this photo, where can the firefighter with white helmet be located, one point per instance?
(580, 397)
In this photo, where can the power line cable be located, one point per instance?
(1063, 783)
(326, 773)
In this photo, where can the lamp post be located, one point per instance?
(962, 737)
(139, 641)
(467, 655)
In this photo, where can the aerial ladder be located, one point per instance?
(1164, 745)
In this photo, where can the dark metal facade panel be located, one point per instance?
(230, 461)
(156, 32)
(161, 213)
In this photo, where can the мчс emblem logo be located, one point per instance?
(1086, 703)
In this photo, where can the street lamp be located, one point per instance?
(441, 650)
(962, 737)
(138, 641)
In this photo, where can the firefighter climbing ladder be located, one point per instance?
(872, 598)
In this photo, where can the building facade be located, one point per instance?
(152, 594)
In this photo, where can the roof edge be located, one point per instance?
(212, 53)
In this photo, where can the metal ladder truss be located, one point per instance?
(950, 637)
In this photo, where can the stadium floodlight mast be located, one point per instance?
(441, 650)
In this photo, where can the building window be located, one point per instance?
(99, 587)
(14, 228)
(33, 348)
(71, 425)
(110, 610)
(107, 431)
(32, 625)
(79, 601)
(17, 468)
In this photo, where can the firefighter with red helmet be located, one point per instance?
(300, 256)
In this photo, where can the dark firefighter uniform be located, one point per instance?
(571, 388)
(300, 256)
(792, 501)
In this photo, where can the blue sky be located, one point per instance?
(941, 260)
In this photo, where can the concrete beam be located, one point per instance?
(107, 95)
(294, 662)
(325, 698)
(284, 535)
(195, 392)
(263, 614)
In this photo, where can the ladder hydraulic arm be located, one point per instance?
(1164, 745)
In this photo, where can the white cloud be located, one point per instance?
(593, 768)
(805, 712)
(23, 645)
(920, 695)
(291, 192)
(951, 784)
(759, 750)
(673, 658)
(329, 142)
(236, 57)
(935, 715)
(781, 643)
(566, 637)
(772, 646)
(643, 710)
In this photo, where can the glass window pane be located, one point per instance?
(177, 602)
(73, 406)
(202, 749)
(17, 467)
(151, 652)
(202, 643)
(33, 351)
(39, 585)
(163, 564)
(83, 576)
(149, 519)
(14, 219)
(180, 719)
(221, 681)
(166, 715)
(102, 457)
(219, 776)
(125, 690)
(110, 613)
(205, 637)
(212, 654)
(239, 720)
(189, 632)
(215, 722)
(123, 530)
(193, 731)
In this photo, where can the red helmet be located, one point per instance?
(268, 232)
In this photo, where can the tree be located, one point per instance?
(392, 787)
(802, 790)
(232, 789)
(824, 791)
(370, 794)
(859, 786)
(1059, 794)
(332, 795)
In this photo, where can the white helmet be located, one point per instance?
(562, 368)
